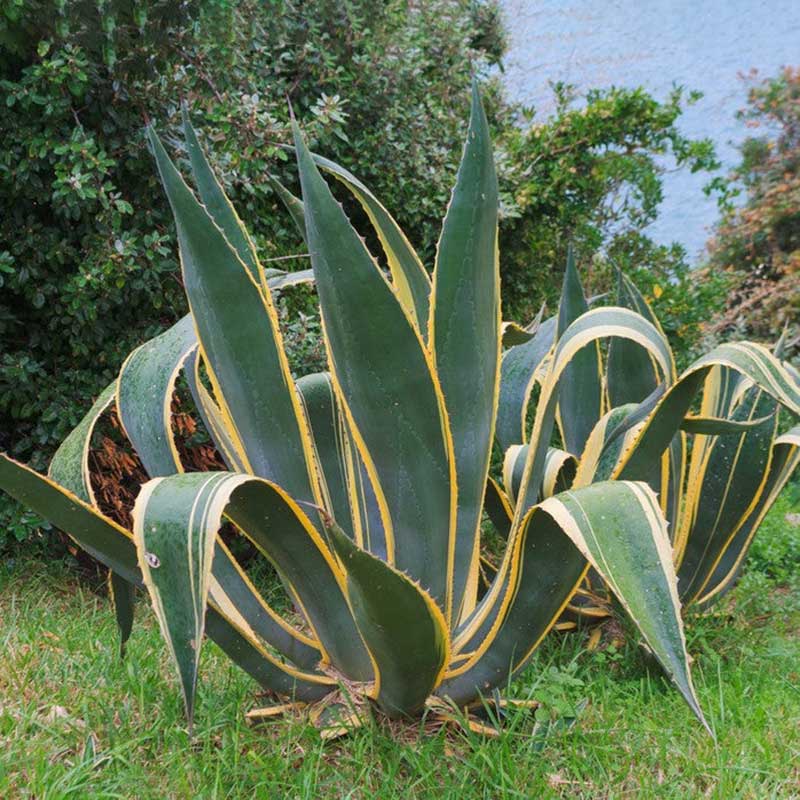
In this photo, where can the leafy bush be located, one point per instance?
(590, 175)
(758, 240)
(87, 264)
(86, 248)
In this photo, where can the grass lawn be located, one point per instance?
(76, 721)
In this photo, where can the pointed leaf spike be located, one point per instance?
(581, 389)
(404, 630)
(218, 206)
(175, 557)
(465, 338)
(390, 396)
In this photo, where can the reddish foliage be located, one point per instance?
(760, 241)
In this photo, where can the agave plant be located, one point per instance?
(366, 486)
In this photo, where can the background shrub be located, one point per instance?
(87, 254)
(757, 240)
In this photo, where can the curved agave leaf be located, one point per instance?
(294, 205)
(113, 546)
(145, 388)
(144, 395)
(224, 438)
(123, 599)
(464, 337)
(498, 507)
(517, 377)
(514, 462)
(714, 426)
(604, 446)
(278, 279)
(731, 483)
(673, 481)
(98, 535)
(391, 397)
(618, 528)
(222, 433)
(70, 464)
(409, 278)
(346, 491)
(631, 373)
(176, 520)
(784, 459)
(403, 628)
(217, 205)
(175, 559)
(560, 468)
(559, 471)
(588, 329)
(721, 388)
(274, 522)
(234, 594)
(332, 448)
(70, 469)
(513, 334)
(580, 402)
(752, 361)
(241, 344)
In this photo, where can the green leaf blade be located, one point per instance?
(390, 395)
(404, 630)
(238, 332)
(581, 391)
(465, 335)
(144, 396)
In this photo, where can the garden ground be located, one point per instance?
(76, 721)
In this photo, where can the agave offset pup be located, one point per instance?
(365, 486)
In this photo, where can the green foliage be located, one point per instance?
(757, 241)
(682, 297)
(589, 175)
(776, 550)
(87, 265)
(17, 524)
(79, 721)
(86, 259)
